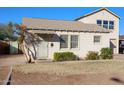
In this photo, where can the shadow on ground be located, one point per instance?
(117, 80)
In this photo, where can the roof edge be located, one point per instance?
(56, 30)
(96, 12)
(45, 19)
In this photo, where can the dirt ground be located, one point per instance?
(80, 73)
(53, 79)
(105, 72)
(7, 60)
(4, 70)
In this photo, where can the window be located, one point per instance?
(64, 41)
(111, 24)
(105, 24)
(74, 41)
(99, 22)
(97, 39)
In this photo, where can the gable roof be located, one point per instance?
(61, 25)
(97, 12)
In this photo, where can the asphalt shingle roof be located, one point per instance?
(35, 23)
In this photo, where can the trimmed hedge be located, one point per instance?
(106, 53)
(64, 56)
(92, 55)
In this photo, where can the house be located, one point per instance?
(107, 19)
(121, 44)
(90, 32)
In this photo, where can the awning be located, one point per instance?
(41, 32)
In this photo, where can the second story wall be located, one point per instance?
(103, 15)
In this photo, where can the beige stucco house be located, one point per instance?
(90, 32)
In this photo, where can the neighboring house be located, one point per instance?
(91, 32)
(9, 47)
(121, 44)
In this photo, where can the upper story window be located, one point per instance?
(111, 24)
(74, 41)
(99, 22)
(64, 41)
(105, 24)
(97, 39)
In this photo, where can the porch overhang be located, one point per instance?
(41, 32)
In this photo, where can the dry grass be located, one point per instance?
(73, 68)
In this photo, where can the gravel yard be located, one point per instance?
(92, 72)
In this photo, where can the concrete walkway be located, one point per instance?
(7, 60)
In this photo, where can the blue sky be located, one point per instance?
(15, 14)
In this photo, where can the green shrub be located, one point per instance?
(64, 56)
(106, 53)
(92, 55)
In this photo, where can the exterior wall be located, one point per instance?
(104, 15)
(86, 43)
(13, 47)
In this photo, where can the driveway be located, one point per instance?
(7, 60)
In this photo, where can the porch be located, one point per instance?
(45, 44)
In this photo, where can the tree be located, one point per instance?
(9, 28)
(7, 32)
(27, 42)
(2, 34)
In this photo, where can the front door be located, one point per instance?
(42, 50)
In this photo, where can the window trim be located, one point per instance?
(101, 22)
(94, 39)
(112, 25)
(67, 42)
(106, 24)
(71, 42)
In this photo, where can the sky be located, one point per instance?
(15, 14)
